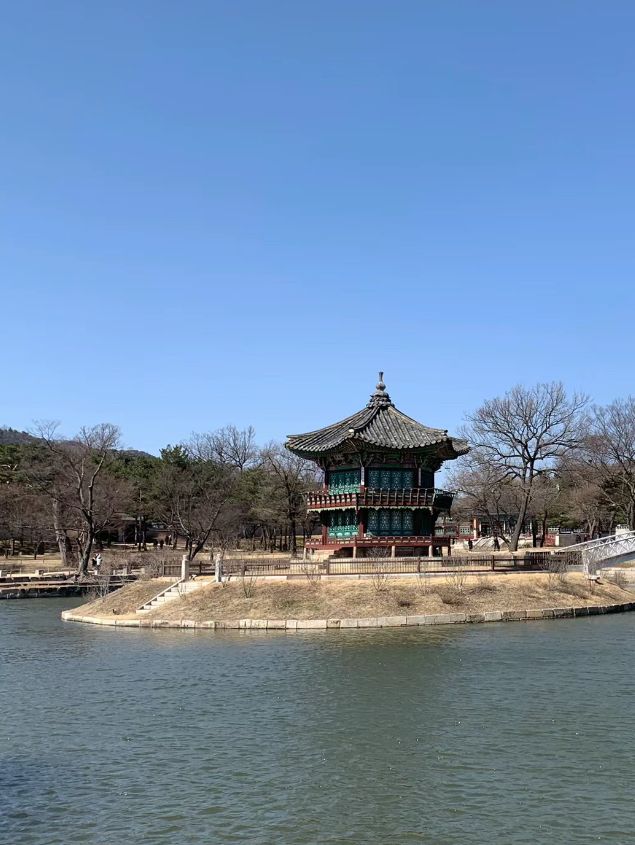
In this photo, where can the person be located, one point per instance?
(161, 544)
(497, 545)
(470, 544)
(98, 562)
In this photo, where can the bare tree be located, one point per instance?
(545, 501)
(482, 493)
(294, 476)
(610, 449)
(194, 495)
(24, 517)
(585, 502)
(229, 446)
(72, 476)
(522, 434)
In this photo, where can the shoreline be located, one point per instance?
(539, 614)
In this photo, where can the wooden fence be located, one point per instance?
(237, 567)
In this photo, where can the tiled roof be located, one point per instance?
(380, 424)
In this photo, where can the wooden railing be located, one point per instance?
(416, 497)
(397, 565)
(380, 541)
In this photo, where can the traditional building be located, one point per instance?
(378, 491)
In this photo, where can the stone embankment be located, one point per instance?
(365, 622)
(39, 591)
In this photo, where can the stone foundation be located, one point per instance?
(363, 622)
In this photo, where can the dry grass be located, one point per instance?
(359, 598)
(128, 598)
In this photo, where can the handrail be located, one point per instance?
(598, 552)
(599, 541)
(417, 496)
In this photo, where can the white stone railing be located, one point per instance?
(596, 553)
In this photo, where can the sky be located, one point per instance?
(238, 212)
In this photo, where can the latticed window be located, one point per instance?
(393, 522)
(407, 522)
(344, 481)
(374, 478)
(390, 479)
(342, 523)
(373, 521)
(384, 521)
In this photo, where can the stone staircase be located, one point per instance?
(175, 591)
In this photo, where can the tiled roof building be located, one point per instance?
(379, 467)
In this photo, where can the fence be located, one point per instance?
(368, 566)
(231, 566)
(418, 565)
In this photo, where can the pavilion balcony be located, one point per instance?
(380, 542)
(415, 497)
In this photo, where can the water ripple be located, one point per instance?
(505, 734)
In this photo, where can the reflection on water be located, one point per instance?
(516, 733)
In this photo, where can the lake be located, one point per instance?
(498, 733)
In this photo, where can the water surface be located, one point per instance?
(508, 733)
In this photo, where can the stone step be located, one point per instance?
(171, 594)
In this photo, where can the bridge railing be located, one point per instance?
(603, 549)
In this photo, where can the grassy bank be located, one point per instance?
(126, 600)
(363, 598)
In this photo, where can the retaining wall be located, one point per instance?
(363, 622)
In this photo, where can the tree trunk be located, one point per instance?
(83, 555)
(60, 534)
(544, 531)
(513, 543)
(294, 541)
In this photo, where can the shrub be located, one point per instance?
(424, 584)
(618, 579)
(248, 583)
(556, 574)
(484, 585)
(450, 595)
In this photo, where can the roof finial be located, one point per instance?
(380, 397)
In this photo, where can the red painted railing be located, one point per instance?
(380, 541)
(417, 497)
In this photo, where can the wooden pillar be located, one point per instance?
(393, 551)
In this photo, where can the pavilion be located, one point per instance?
(378, 490)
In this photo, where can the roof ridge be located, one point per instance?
(412, 419)
(338, 424)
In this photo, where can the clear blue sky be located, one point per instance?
(216, 212)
